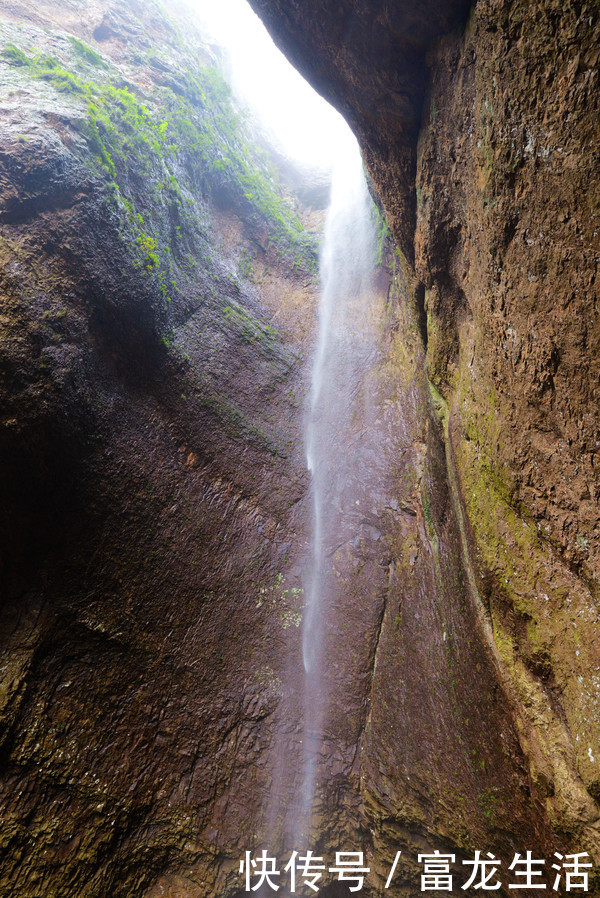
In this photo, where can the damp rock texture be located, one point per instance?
(499, 177)
(369, 59)
(158, 317)
(157, 292)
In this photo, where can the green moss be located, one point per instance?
(236, 424)
(148, 246)
(46, 61)
(382, 234)
(246, 265)
(427, 510)
(86, 53)
(442, 346)
(509, 544)
(489, 801)
(15, 56)
(250, 328)
(192, 126)
(62, 80)
(287, 602)
(438, 403)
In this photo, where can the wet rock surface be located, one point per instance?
(155, 504)
(369, 60)
(509, 258)
(506, 258)
(152, 366)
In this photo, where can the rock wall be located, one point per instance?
(507, 247)
(505, 251)
(156, 323)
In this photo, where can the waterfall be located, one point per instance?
(347, 264)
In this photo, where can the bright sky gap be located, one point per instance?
(306, 127)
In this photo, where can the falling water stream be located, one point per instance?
(347, 264)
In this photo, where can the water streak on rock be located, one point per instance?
(347, 265)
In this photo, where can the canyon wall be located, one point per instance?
(486, 159)
(157, 298)
(158, 318)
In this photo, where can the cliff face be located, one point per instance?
(506, 249)
(157, 293)
(369, 60)
(158, 296)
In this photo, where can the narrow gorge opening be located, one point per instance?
(338, 410)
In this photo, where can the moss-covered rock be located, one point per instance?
(151, 376)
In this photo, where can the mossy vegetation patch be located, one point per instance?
(163, 150)
(251, 329)
(15, 56)
(87, 53)
(382, 234)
